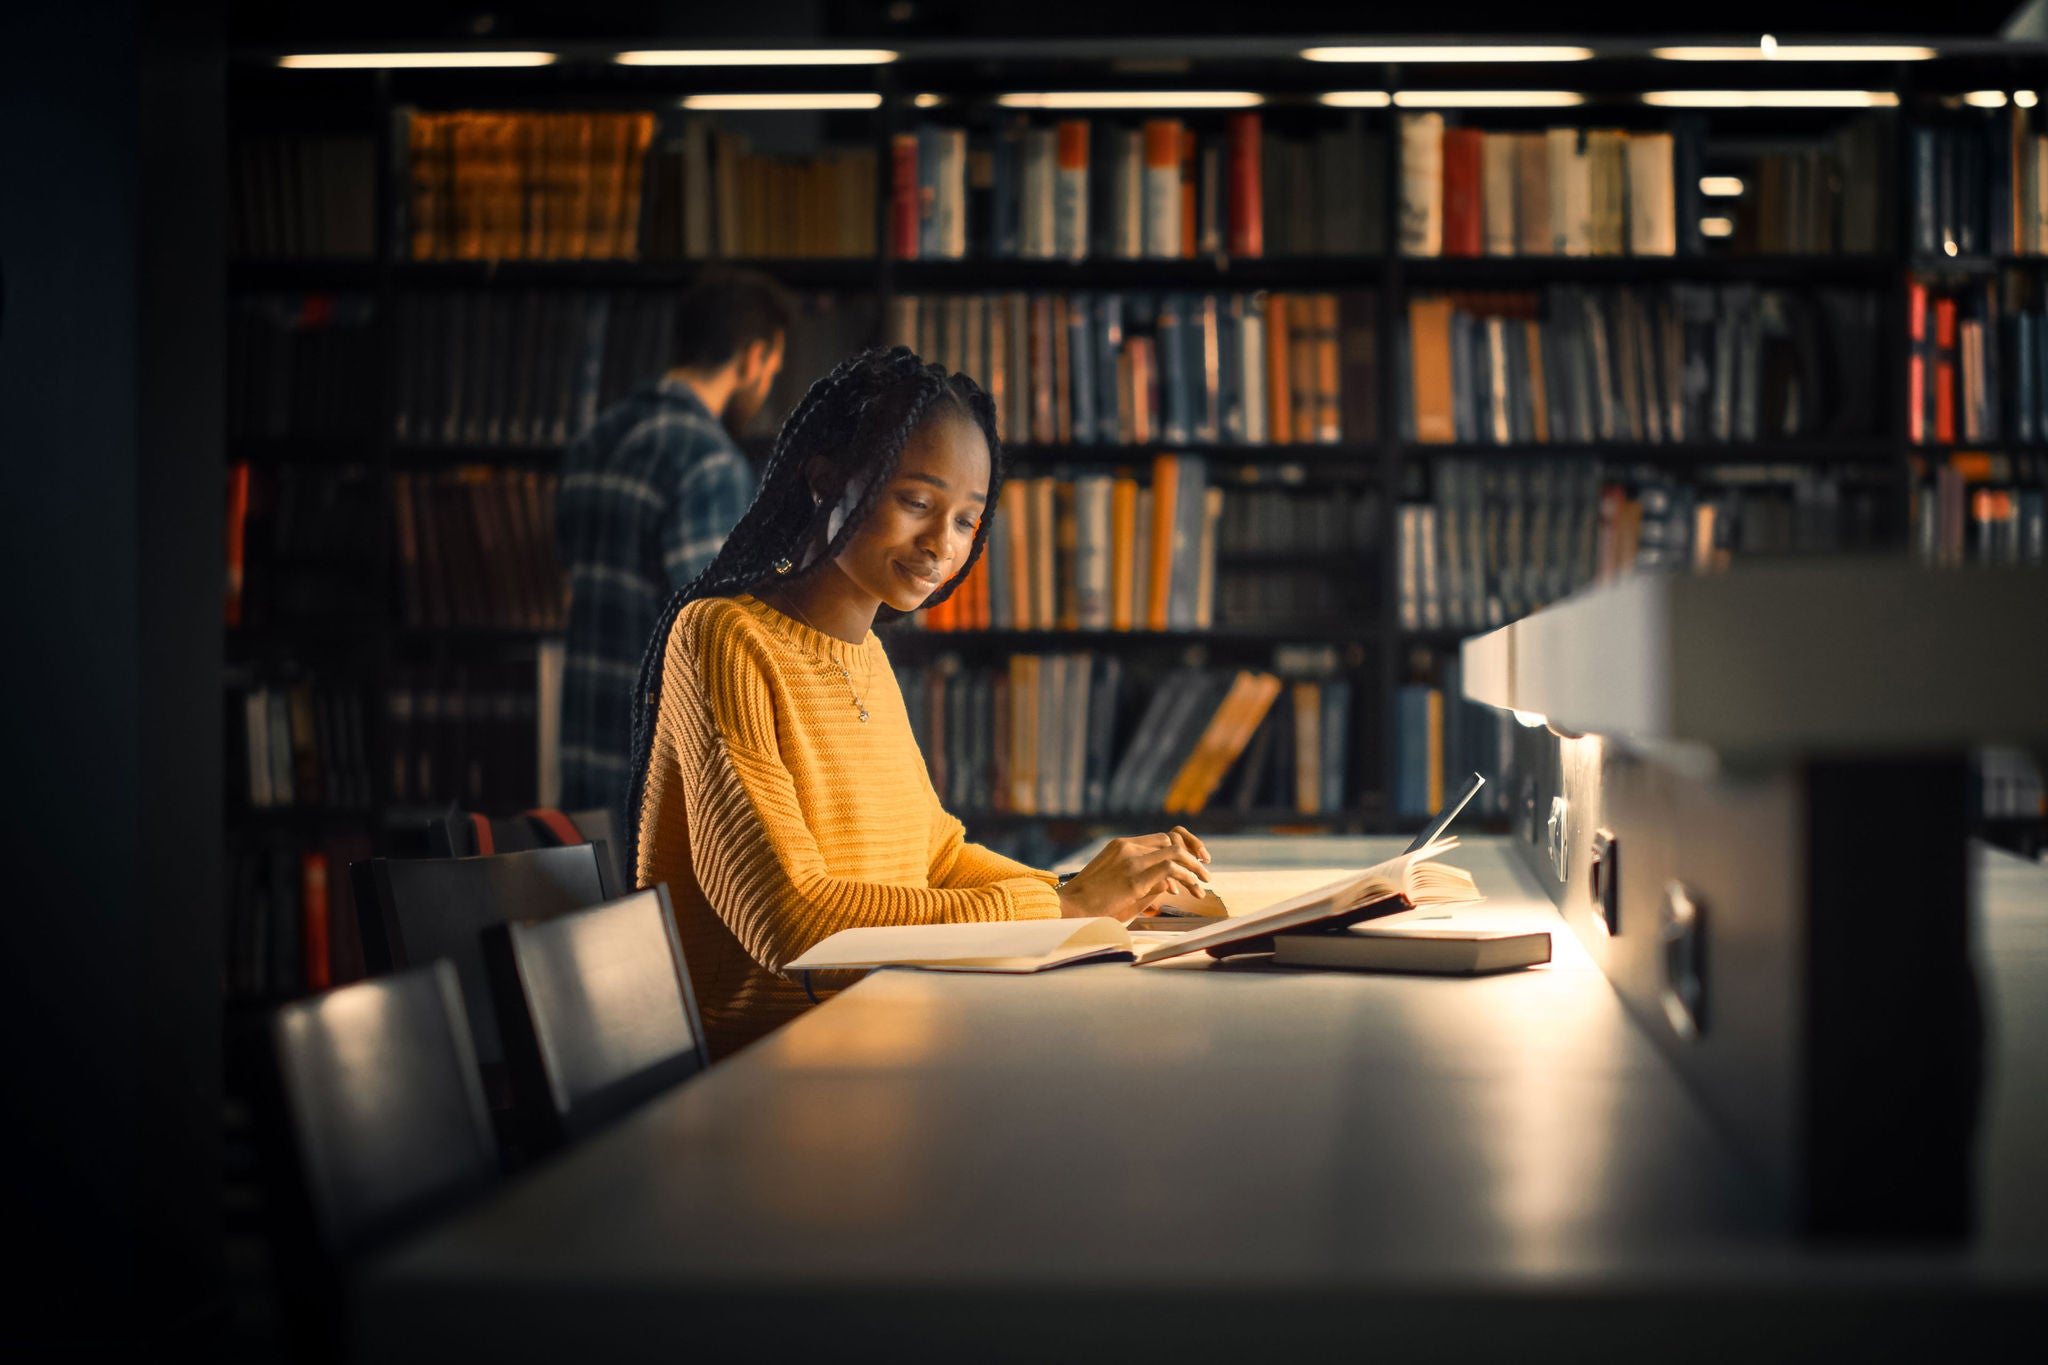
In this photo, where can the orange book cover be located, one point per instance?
(1014, 507)
(1044, 534)
(1429, 343)
(1180, 791)
(422, 134)
(1144, 390)
(1279, 389)
(1265, 690)
(1329, 423)
(579, 135)
(1024, 733)
(1123, 534)
(1165, 483)
(639, 135)
(469, 176)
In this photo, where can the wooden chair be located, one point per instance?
(373, 1125)
(596, 1012)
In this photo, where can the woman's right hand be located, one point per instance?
(1131, 875)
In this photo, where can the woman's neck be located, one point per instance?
(827, 601)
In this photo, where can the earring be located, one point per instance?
(782, 565)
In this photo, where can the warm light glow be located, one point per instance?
(759, 56)
(1487, 99)
(1535, 720)
(1478, 52)
(1772, 51)
(1986, 99)
(1717, 227)
(929, 101)
(851, 100)
(1355, 99)
(337, 61)
(1130, 99)
(1721, 186)
(1772, 99)
(2025, 99)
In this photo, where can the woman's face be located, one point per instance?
(922, 524)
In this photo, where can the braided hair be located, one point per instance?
(855, 421)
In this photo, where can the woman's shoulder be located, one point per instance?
(717, 625)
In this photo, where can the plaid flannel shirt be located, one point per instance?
(648, 495)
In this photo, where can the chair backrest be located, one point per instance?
(458, 833)
(414, 910)
(596, 1011)
(385, 1116)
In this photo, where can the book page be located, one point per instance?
(1014, 943)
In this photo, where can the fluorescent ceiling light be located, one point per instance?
(759, 56)
(337, 61)
(1721, 186)
(1797, 52)
(2025, 99)
(1772, 99)
(929, 101)
(1478, 52)
(850, 100)
(1717, 227)
(1130, 99)
(1355, 99)
(1487, 99)
(1986, 99)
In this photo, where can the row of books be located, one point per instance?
(299, 743)
(505, 185)
(1565, 191)
(534, 367)
(1648, 365)
(1133, 368)
(1502, 538)
(1978, 184)
(2009, 786)
(710, 195)
(1071, 735)
(1830, 198)
(300, 541)
(303, 197)
(301, 365)
(1977, 508)
(291, 923)
(476, 549)
(1440, 739)
(1107, 189)
(1977, 369)
(1105, 552)
(471, 735)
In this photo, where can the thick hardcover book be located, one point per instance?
(1246, 211)
(1463, 215)
(1439, 952)
(1070, 206)
(1422, 184)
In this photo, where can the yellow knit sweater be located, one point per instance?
(777, 817)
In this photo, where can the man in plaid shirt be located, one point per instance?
(648, 495)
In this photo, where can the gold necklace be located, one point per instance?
(866, 677)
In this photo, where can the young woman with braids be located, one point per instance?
(777, 787)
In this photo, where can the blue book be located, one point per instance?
(929, 247)
(1336, 743)
(1922, 160)
(1005, 164)
(1109, 344)
(1082, 364)
(1175, 379)
(1230, 369)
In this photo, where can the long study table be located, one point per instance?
(1211, 1161)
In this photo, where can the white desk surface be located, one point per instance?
(930, 1156)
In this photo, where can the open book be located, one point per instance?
(1412, 881)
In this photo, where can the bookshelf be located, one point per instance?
(1383, 653)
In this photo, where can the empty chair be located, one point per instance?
(414, 910)
(376, 1125)
(596, 1012)
(462, 834)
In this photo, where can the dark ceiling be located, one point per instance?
(263, 22)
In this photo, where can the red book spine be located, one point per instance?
(1945, 371)
(1247, 209)
(314, 918)
(904, 199)
(1462, 155)
(238, 526)
(1188, 196)
(1916, 363)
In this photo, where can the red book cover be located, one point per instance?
(1945, 370)
(313, 916)
(1246, 206)
(238, 525)
(1916, 363)
(1188, 156)
(1462, 154)
(904, 201)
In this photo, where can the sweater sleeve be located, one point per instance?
(752, 853)
(958, 863)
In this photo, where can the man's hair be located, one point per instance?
(724, 312)
(854, 422)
